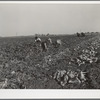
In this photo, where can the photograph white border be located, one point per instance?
(50, 2)
(49, 93)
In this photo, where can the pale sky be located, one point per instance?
(28, 19)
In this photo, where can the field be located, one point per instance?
(24, 66)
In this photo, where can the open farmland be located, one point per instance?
(24, 66)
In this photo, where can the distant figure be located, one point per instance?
(83, 34)
(44, 46)
(48, 41)
(37, 43)
(37, 39)
(57, 43)
(78, 34)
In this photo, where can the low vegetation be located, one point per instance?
(24, 66)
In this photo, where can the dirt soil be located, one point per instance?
(25, 67)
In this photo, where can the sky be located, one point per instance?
(29, 19)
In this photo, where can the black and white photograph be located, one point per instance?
(49, 46)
